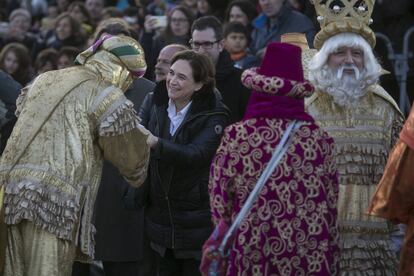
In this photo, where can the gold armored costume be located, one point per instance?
(69, 121)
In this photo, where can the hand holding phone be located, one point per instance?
(160, 21)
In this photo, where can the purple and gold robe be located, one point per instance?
(292, 227)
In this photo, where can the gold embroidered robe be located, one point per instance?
(70, 120)
(363, 136)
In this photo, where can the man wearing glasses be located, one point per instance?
(207, 38)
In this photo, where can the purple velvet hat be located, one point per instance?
(280, 73)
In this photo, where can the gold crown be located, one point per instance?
(340, 16)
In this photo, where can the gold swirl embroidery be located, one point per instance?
(245, 145)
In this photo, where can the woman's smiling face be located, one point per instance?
(180, 83)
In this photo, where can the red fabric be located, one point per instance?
(212, 261)
(280, 73)
(272, 106)
(283, 60)
(294, 216)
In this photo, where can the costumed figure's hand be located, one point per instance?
(152, 140)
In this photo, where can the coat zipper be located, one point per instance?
(169, 182)
(166, 194)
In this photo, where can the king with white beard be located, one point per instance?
(364, 122)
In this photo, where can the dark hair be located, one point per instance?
(206, 22)
(236, 27)
(112, 26)
(45, 56)
(22, 75)
(112, 12)
(83, 9)
(245, 5)
(168, 34)
(202, 67)
(69, 51)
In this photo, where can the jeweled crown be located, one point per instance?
(336, 16)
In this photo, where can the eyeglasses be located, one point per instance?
(206, 45)
(178, 20)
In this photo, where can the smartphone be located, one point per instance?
(4, 29)
(160, 21)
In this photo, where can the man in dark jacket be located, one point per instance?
(277, 18)
(207, 38)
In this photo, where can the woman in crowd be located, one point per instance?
(186, 118)
(67, 32)
(177, 31)
(79, 11)
(20, 22)
(242, 11)
(15, 60)
(203, 8)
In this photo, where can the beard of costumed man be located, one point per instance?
(364, 121)
(69, 121)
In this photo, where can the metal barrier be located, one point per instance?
(400, 64)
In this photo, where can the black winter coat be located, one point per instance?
(228, 82)
(178, 211)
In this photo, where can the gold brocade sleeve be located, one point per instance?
(129, 153)
(123, 141)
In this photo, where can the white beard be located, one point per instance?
(346, 89)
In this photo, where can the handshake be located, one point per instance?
(152, 140)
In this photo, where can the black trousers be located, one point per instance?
(171, 266)
(121, 268)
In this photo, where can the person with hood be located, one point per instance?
(69, 120)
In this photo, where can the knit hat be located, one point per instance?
(280, 73)
(18, 12)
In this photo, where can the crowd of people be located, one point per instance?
(137, 131)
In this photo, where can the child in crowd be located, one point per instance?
(66, 56)
(45, 61)
(236, 40)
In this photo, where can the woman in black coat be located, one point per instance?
(177, 213)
